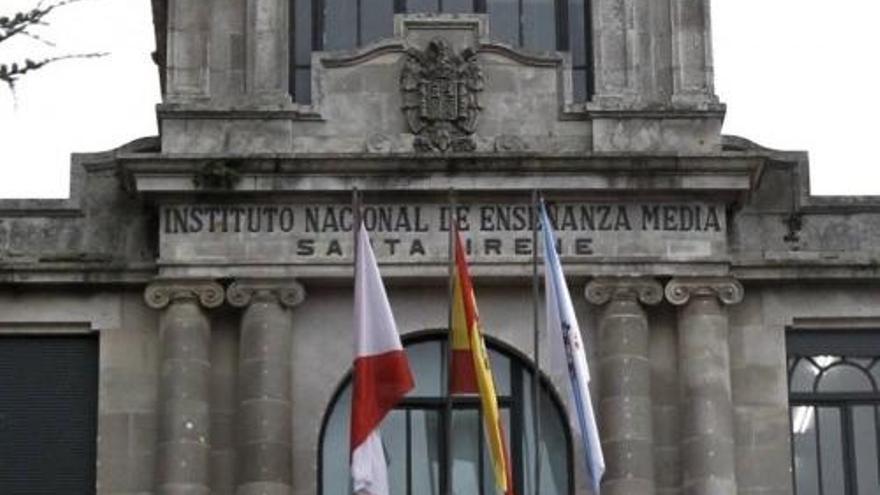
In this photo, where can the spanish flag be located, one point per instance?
(471, 371)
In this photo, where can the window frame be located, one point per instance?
(811, 340)
(463, 402)
(562, 32)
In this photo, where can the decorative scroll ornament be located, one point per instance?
(727, 290)
(161, 292)
(288, 293)
(645, 290)
(439, 90)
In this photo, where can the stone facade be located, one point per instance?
(214, 261)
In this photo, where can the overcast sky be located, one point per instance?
(795, 74)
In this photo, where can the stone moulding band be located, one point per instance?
(161, 293)
(287, 292)
(727, 289)
(602, 290)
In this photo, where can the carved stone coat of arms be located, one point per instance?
(439, 90)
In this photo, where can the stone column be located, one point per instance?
(708, 448)
(267, 51)
(264, 387)
(184, 445)
(625, 382)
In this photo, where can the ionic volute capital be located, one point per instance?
(728, 290)
(287, 292)
(643, 289)
(161, 293)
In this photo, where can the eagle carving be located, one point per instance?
(439, 91)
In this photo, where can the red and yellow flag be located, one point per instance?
(471, 371)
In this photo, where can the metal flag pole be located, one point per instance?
(536, 344)
(447, 424)
(355, 229)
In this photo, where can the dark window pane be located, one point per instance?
(844, 377)
(555, 463)
(500, 372)
(340, 25)
(539, 25)
(425, 451)
(465, 450)
(865, 437)
(424, 360)
(576, 37)
(394, 442)
(803, 376)
(303, 31)
(335, 448)
(831, 445)
(458, 6)
(504, 21)
(806, 460)
(422, 6)
(377, 20)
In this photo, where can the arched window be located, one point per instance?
(834, 403)
(413, 434)
(537, 25)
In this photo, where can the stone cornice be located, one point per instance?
(644, 289)
(161, 293)
(287, 292)
(727, 289)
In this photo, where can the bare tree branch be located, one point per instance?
(10, 73)
(22, 24)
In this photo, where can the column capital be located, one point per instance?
(643, 289)
(287, 292)
(727, 289)
(160, 293)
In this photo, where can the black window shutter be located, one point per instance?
(48, 414)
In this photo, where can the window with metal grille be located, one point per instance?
(414, 439)
(835, 412)
(48, 414)
(536, 25)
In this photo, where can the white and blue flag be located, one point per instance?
(568, 354)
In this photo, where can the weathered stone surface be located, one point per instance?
(713, 384)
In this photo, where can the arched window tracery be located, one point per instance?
(413, 434)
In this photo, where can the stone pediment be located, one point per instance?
(489, 97)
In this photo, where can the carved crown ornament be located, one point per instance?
(439, 91)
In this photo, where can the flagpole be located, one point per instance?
(536, 344)
(453, 225)
(355, 222)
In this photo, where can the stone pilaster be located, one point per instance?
(616, 51)
(267, 51)
(707, 436)
(187, 64)
(693, 73)
(264, 384)
(184, 445)
(625, 382)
